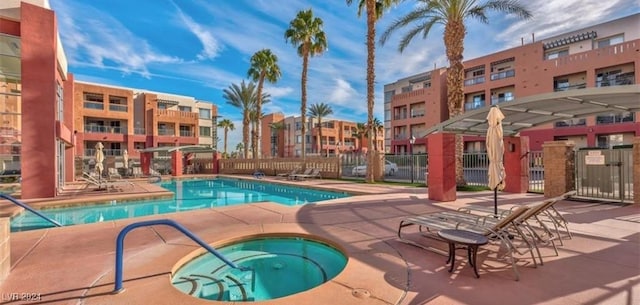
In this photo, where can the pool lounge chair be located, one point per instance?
(501, 231)
(315, 173)
(113, 173)
(306, 172)
(293, 172)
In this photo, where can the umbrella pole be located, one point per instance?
(495, 201)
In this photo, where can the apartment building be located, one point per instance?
(133, 119)
(605, 54)
(282, 136)
(36, 139)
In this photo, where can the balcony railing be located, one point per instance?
(93, 105)
(497, 100)
(104, 129)
(139, 130)
(119, 108)
(503, 74)
(473, 105)
(400, 116)
(417, 113)
(474, 80)
(615, 118)
(90, 152)
(186, 133)
(617, 80)
(570, 87)
(166, 132)
(569, 123)
(177, 114)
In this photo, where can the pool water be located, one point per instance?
(189, 195)
(278, 267)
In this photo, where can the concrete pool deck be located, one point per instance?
(75, 264)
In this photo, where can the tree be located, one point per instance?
(240, 150)
(244, 97)
(306, 34)
(375, 9)
(226, 125)
(276, 127)
(264, 66)
(377, 127)
(360, 133)
(452, 15)
(319, 111)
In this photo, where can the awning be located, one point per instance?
(546, 108)
(186, 149)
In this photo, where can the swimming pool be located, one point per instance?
(189, 195)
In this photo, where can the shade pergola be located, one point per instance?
(546, 108)
(184, 149)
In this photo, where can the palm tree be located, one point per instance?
(377, 127)
(226, 125)
(240, 148)
(276, 127)
(375, 9)
(319, 111)
(360, 133)
(452, 15)
(264, 66)
(244, 97)
(306, 34)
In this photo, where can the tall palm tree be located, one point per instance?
(360, 133)
(319, 111)
(226, 125)
(377, 127)
(244, 97)
(240, 148)
(264, 66)
(452, 15)
(306, 34)
(375, 9)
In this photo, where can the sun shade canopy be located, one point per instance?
(185, 149)
(545, 108)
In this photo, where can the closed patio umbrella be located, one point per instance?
(495, 152)
(99, 159)
(125, 159)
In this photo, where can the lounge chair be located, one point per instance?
(430, 224)
(113, 173)
(136, 172)
(93, 180)
(293, 172)
(315, 173)
(295, 176)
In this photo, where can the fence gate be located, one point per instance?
(605, 174)
(536, 172)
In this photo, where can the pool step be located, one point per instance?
(224, 288)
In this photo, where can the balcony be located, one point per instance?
(93, 105)
(417, 113)
(570, 87)
(186, 133)
(104, 129)
(473, 105)
(139, 131)
(166, 132)
(177, 114)
(503, 74)
(474, 81)
(400, 116)
(497, 100)
(570, 123)
(627, 117)
(617, 80)
(90, 152)
(118, 108)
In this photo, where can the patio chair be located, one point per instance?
(136, 172)
(306, 172)
(315, 173)
(430, 224)
(113, 173)
(93, 180)
(293, 172)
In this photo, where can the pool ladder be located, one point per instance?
(167, 222)
(30, 209)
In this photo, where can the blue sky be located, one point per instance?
(199, 47)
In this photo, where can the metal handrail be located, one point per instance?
(30, 209)
(120, 247)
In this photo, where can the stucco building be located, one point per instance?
(605, 54)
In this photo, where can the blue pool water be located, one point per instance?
(278, 267)
(189, 195)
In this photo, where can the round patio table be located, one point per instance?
(461, 239)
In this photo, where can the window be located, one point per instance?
(476, 102)
(184, 108)
(60, 101)
(205, 131)
(298, 139)
(615, 118)
(204, 113)
(93, 101)
(388, 95)
(561, 85)
(556, 54)
(609, 41)
(298, 125)
(406, 89)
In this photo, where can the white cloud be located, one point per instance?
(277, 92)
(211, 47)
(342, 92)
